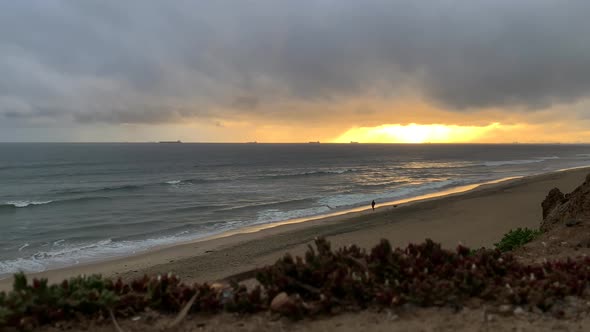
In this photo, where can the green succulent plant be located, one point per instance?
(516, 238)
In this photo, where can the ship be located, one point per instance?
(353, 142)
(316, 142)
(170, 142)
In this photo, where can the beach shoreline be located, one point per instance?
(263, 226)
(443, 216)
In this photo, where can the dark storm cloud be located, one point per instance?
(154, 61)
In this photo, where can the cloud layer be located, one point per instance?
(152, 62)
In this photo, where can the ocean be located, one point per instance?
(67, 204)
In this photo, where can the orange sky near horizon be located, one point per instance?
(368, 120)
(374, 120)
(397, 133)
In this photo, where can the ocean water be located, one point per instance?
(66, 204)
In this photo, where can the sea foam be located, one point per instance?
(22, 204)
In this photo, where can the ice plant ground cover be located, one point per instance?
(321, 282)
(517, 238)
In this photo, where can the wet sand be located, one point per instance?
(476, 218)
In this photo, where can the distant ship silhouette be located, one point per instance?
(170, 142)
(316, 142)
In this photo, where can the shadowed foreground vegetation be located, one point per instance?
(324, 281)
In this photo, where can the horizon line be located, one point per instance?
(308, 143)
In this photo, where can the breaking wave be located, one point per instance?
(29, 204)
(311, 173)
(136, 187)
(22, 204)
(62, 254)
(518, 161)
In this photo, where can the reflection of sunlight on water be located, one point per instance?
(445, 192)
(429, 165)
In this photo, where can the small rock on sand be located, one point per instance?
(282, 303)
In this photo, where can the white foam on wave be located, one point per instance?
(312, 172)
(187, 182)
(340, 171)
(274, 215)
(511, 162)
(518, 161)
(328, 171)
(63, 254)
(328, 204)
(436, 164)
(406, 191)
(22, 204)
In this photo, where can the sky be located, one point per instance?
(295, 71)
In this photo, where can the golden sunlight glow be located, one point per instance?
(416, 133)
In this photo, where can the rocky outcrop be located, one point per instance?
(553, 199)
(559, 209)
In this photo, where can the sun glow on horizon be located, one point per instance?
(416, 133)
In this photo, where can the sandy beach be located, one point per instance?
(476, 218)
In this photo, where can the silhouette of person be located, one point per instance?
(373, 205)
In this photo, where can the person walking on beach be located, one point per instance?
(373, 205)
